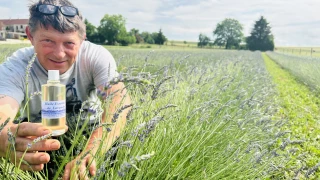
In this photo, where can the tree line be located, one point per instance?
(112, 31)
(228, 34)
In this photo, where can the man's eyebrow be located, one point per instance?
(71, 39)
(3, 96)
(44, 36)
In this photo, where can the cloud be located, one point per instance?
(133, 11)
(4, 11)
(293, 22)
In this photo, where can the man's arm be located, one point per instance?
(120, 98)
(8, 109)
(100, 136)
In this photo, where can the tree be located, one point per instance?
(126, 38)
(135, 32)
(159, 38)
(91, 32)
(203, 40)
(154, 36)
(261, 37)
(228, 33)
(147, 37)
(90, 29)
(111, 28)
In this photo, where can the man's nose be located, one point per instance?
(59, 52)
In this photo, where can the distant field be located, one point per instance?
(182, 43)
(303, 51)
(175, 45)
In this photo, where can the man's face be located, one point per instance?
(55, 50)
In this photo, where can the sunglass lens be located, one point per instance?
(47, 9)
(68, 10)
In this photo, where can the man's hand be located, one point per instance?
(80, 167)
(24, 134)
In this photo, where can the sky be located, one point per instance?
(293, 22)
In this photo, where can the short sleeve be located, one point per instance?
(12, 75)
(104, 67)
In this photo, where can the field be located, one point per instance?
(300, 51)
(208, 114)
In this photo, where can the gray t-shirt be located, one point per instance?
(94, 66)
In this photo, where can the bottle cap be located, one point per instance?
(53, 75)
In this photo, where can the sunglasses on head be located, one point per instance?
(50, 9)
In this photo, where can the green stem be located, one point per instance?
(27, 103)
(64, 162)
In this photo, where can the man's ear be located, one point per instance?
(30, 37)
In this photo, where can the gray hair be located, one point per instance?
(58, 21)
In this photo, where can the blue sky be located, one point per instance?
(293, 22)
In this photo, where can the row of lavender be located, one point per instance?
(306, 69)
(205, 115)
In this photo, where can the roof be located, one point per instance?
(8, 22)
(14, 21)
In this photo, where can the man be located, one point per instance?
(57, 33)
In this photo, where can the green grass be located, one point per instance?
(7, 49)
(300, 108)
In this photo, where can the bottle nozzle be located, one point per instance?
(53, 75)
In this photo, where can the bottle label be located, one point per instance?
(53, 109)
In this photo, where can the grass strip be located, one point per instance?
(300, 107)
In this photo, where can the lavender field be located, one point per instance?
(197, 114)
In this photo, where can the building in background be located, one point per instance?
(13, 28)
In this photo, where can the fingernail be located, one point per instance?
(55, 145)
(43, 158)
(46, 131)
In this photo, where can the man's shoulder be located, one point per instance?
(20, 58)
(88, 44)
(22, 55)
(92, 52)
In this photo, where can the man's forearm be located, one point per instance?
(101, 135)
(8, 109)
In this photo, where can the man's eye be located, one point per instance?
(47, 40)
(69, 44)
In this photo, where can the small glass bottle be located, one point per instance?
(53, 104)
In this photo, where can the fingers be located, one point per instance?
(32, 167)
(67, 171)
(32, 161)
(45, 145)
(77, 173)
(82, 171)
(93, 168)
(25, 134)
(76, 170)
(30, 129)
(66, 128)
